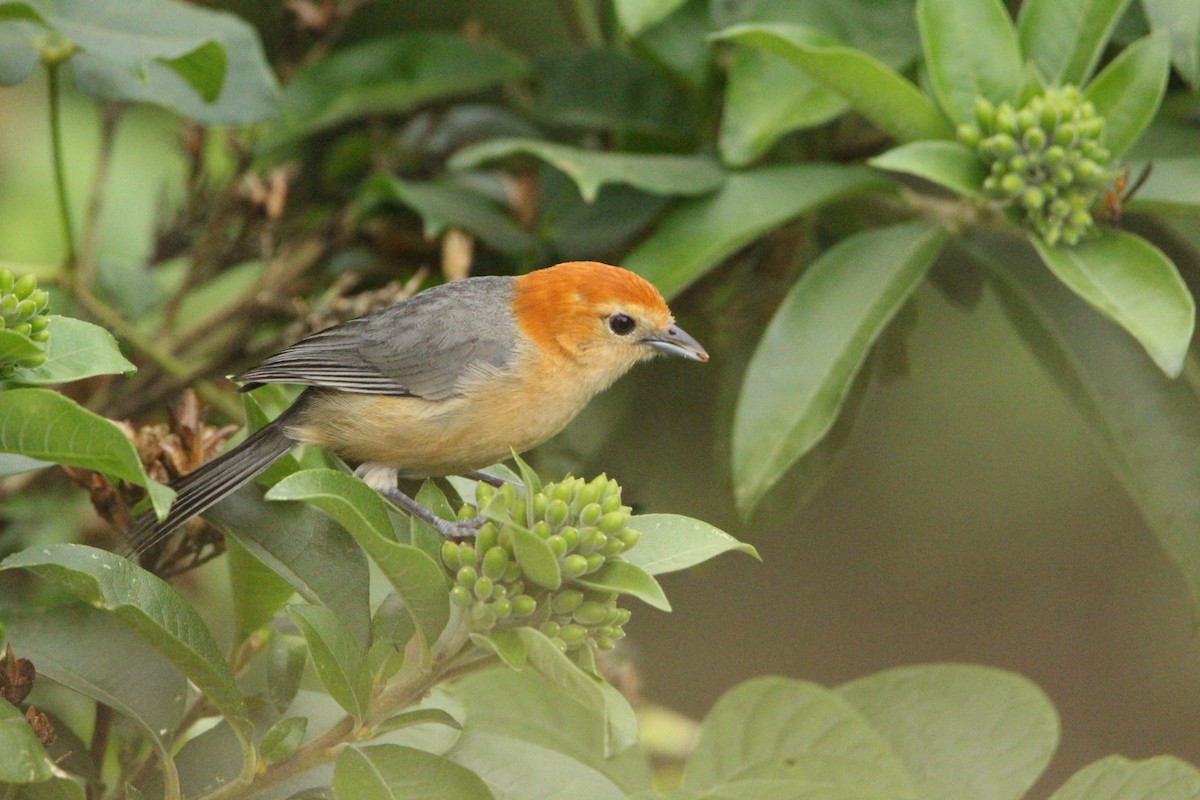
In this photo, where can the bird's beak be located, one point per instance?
(675, 341)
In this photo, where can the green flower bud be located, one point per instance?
(460, 596)
(590, 613)
(574, 565)
(594, 562)
(483, 588)
(6, 281)
(8, 305)
(612, 547)
(487, 538)
(1063, 176)
(623, 616)
(24, 286)
(466, 577)
(499, 591)
(1006, 119)
(1033, 199)
(24, 329)
(589, 494)
(41, 299)
(484, 492)
(566, 601)
(590, 514)
(512, 572)
(483, 617)
(1026, 120)
(1080, 218)
(515, 587)
(466, 554)
(610, 503)
(40, 336)
(503, 608)
(508, 494)
(969, 134)
(1019, 163)
(450, 555)
(523, 605)
(1092, 128)
(617, 632)
(542, 529)
(556, 512)
(540, 501)
(1011, 185)
(563, 491)
(1087, 171)
(613, 522)
(629, 537)
(1034, 139)
(559, 643)
(495, 562)
(990, 184)
(985, 112)
(550, 628)
(604, 643)
(558, 545)
(1054, 155)
(1065, 134)
(570, 535)
(39, 323)
(1001, 145)
(573, 635)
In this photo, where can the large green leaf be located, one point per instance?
(1146, 425)
(416, 577)
(971, 50)
(952, 165)
(1172, 186)
(698, 233)
(25, 760)
(390, 75)
(392, 772)
(874, 89)
(154, 611)
(1127, 93)
(306, 548)
(203, 64)
(1180, 19)
(657, 174)
(76, 350)
(805, 364)
(516, 704)
(518, 769)
(625, 578)
(47, 426)
(671, 542)
(339, 661)
(1065, 38)
(964, 732)
(637, 15)
(258, 593)
(446, 203)
(784, 730)
(1119, 778)
(15, 346)
(1134, 284)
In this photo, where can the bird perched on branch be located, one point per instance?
(446, 382)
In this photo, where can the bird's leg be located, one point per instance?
(383, 480)
(490, 480)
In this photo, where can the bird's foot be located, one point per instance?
(460, 530)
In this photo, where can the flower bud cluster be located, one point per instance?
(584, 525)
(23, 309)
(1046, 159)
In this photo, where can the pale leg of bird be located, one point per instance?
(383, 480)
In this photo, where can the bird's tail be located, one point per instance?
(212, 481)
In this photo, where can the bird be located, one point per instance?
(445, 382)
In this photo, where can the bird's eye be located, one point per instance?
(621, 324)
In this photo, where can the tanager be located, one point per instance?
(446, 382)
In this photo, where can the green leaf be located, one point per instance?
(874, 89)
(203, 64)
(951, 165)
(971, 50)
(47, 426)
(780, 729)
(445, 203)
(258, 593)
(287, 655)
(698, 233)
(964, 732)
(537, 560)
(1065, 39)
(805, 363)
(513, 768)
(306, 548)
(18, 61)
(671, 542)
(657, 174)
(392, 772)
(1146, 426)
(767, 96)
(516, 704)
(1128, 92)
(1180, 19)
(417, 578)
(154, 611)
(89, 651)
(389, 75)
(76, 350)
(15, 346)
(1120, 778)
(1134, 284)
(637, 15)
(25, 760)
(12, 464)
(283, 738)
(1173, 186)
(420, 716)
(625, 578)
(506, 646)
(336, 655)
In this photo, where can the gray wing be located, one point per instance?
(421, 346)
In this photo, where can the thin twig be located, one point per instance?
(60, 172)
(89, 252)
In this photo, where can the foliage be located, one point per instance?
(836, 154)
